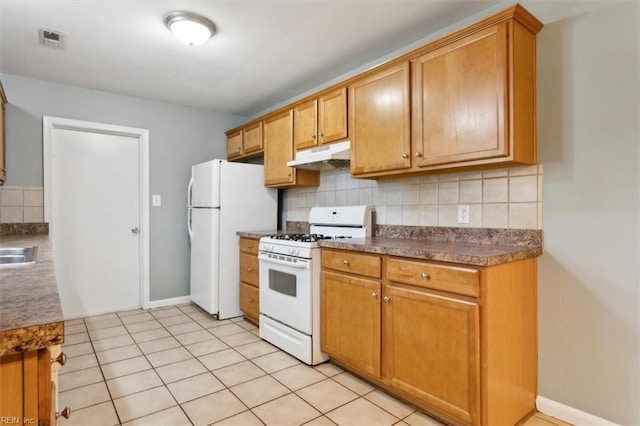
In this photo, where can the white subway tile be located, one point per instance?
(428, 194)
(380, 215)
(11, 215)
(33, 215)
(33, 198)
(428, 179)
(341, 198)
(410, 215)
(495, 215)
(495, 190)
(11, 198)
(448, 193)
(540, 222)
(523, 189)
(471, 191)
(341, 180)
(449, 177)
(523, 215)
(429, 215)
(394, 196)
(353, 196)
(410, 195)
(448, 215)
(380, 196)
(471, 175)
(330, 198)
(394, 215)
(366, 196)
(523, 170)
(494, 173)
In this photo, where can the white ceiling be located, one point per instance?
(264, 51)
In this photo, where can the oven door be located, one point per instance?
(285, 290)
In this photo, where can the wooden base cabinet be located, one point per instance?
(249, 279)
(28, 387)
(458, 341)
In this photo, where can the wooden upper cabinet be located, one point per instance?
(234, 144)
(379, 121)
(460, 96)
(322, 120)
(247, 141)
(474, 96)
(252, 138)
(278, 140)
(3, 134)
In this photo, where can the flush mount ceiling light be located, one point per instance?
(189, 28)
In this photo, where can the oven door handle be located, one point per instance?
(266, 259)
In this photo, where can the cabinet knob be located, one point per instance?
(320, 134)
(288, 174)
(251, 301)
(66, 413)
(405, 155)
(250, 269)
(386, 299)
(313, 136)
(374, 295)
(417, 155)
(424, 275)
(60, 359)
(345, 262)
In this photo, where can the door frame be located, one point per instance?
(49, 124)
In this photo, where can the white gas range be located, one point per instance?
(290, 279)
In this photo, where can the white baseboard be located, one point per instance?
(169, 302)
(569, 414)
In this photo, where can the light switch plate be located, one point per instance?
(463, 214)
(156, 200)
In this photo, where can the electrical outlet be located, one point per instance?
(463, 214)
(156, 200)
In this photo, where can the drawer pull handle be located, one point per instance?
(405, 155)
(386, 299)
(345, 262)
(250, 269)
(424, 275)
(66, 413)
(374, 295)
(60, 359)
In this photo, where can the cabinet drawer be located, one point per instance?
(355, 263)
(249, 269)
(250, 300)
(249, 245)
(453, 279)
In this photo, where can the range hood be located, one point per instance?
(326, 157)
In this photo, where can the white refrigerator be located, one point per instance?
(224, 198)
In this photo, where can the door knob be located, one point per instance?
(135, 230)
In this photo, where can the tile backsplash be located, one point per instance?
(498, 198)
(21, 204)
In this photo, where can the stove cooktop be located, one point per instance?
(306, 238)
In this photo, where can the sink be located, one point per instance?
(17, 256)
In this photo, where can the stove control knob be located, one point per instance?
(297, 252)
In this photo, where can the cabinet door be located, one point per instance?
(234, 144)
(252, 138)
(460, 98)
(278, 149)
(250, 301)
(332, 116)
(351, 321)
(305, 132)
(379, 121)
(432, 350)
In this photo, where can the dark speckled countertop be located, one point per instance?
(30, 311)
(442, 251)
(470, 246)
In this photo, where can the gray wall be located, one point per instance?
(588, 139)
(179, 137)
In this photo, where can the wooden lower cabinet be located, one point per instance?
(249, 279)
(28, 387)
(416, 332)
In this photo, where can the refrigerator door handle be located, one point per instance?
(189, 210)
(189, 189)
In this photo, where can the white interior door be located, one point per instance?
(96, 220)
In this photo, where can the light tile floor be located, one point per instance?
(178, 366)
